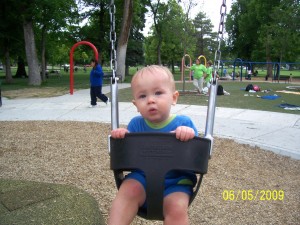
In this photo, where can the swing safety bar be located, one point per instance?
(156, 154)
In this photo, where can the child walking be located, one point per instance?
(96, 80)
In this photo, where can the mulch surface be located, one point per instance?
(244, 184)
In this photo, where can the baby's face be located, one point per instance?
(153, 95)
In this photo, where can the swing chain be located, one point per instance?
(113, 38)
(113, 67)
(217, 60)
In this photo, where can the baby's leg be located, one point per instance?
(176, 209)
(130, 197)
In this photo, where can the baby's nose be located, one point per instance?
(151, 99)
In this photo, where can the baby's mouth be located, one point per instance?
(152, 110)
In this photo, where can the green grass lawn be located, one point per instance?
(236, 99)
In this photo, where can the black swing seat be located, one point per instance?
(156, 154)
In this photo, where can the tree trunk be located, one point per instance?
(31, 55)
(159, 48)
(44, 74)
(123, 39)
(21, 72)
(8, 76)
(158, 28)
(101, 30)
(269, 65)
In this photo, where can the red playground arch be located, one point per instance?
(72, 63)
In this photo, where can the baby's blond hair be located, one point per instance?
(155, 70)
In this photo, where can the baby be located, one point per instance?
(154, 93)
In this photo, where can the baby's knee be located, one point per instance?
(176, 206)
(133, 189)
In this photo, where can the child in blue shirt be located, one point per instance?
(96, 79)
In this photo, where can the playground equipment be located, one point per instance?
(276, 71)
(202, 56)
(243, 64)
(276, 76)
(72, 62)
(183, 70)
(183, 91)
(145, 151)
(241, 68)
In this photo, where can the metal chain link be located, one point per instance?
(213, 88)
(113, 66)
(217, 60)
(113, 38)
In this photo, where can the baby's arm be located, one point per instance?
(184, 133)
(119, 133)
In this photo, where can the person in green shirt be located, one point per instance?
(208, 77)
(199, 70)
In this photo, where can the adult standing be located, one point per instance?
(199, 70)
(96, 80)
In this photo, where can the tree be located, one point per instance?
(181, 35)
(129, 17)
(285, 28)
(204, 36)
(188, 27)
(165, 45)
(97, 28)
(159, 11)
(135, 51)
(31, 54)
(65, 13)
(21, 71)
(123, 38)
(175, 35)
(10, 36)
(263, 30)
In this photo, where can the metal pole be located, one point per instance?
(214, 86)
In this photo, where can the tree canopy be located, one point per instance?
(263, 30)
(258, 30)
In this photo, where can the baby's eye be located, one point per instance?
(158, 92)
(142, 96)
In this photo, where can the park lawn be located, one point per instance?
(58, 85)
(237, 98)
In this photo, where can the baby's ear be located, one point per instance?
(133, 102)
(175, 97)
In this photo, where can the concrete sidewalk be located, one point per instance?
(277, 132)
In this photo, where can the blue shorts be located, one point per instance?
(174, 182)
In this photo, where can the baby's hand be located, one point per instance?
(119, 133)
(184, 133)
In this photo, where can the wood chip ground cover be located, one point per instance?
(75, 153)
